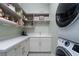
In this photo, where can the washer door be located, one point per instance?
(66, 13)
(60, 51)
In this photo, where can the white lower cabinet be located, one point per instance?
(40, 44)
(20, 49)
(16, 51)
(25, 48)
(45, 44)
(34, 44)
(11, 52)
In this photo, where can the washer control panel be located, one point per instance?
(67, 43)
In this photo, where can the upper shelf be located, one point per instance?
(8, 22)
(37, 14)
(4, 21)
(38, 20)
(7, 10)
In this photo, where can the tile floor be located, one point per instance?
(40, 54)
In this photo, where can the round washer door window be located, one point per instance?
(66, 13)
(60, 51)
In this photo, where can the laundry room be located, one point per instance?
(39, 29)
(28, 29)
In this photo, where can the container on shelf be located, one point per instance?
(36, 19)
(46, 18)
(20, 22)
(6, 16)
(41, 17)
(25, 19)
(1, 13)
(20, 13)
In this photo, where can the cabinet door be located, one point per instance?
(34, 45)
(18, 50)
(26, 47)
(11, 52)
(45, 44)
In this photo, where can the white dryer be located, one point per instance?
(67, 19)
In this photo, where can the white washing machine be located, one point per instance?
(67, 48)
(67, 20)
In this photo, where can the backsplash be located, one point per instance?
(41, 28)
(9, 31)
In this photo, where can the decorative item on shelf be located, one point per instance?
(19, 12)
(46, 18)
(36, 18)
(26, 19)
(6, 16)
(24, 33)
(12, 19)
(20, 22)
(1, 13)
(41, 17)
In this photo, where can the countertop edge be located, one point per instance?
(11, 45)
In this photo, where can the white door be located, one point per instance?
(34, 45)
(45, 44)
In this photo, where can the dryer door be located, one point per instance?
(66, 13)
(60, 51)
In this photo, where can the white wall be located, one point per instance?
(42, 28)
(39, 28)
(35, 7)
(53, 27)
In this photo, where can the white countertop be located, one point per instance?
(42, 35)
(5, 44)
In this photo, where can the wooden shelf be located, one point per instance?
(12, 13)
(29, 26)
(7, 10)
(38, 20)
(32, 14)
(5, 21)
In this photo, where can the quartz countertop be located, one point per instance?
(40, 35)
(5, 44)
